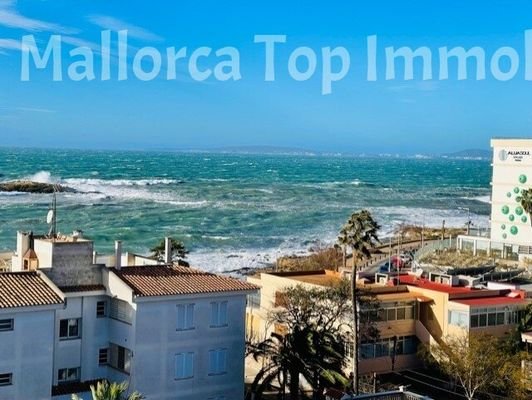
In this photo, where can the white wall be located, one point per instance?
(512, 171)
(27, 353)
(157, 342)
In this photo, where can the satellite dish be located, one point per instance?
(50, 217)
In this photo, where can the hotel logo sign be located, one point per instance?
(515, 155)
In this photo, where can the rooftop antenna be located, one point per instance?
(51, 217)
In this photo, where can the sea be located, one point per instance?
(234, 211)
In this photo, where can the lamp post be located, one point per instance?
(468, 223)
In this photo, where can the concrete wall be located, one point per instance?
(27, 353)
(71, 263)
(157, 343)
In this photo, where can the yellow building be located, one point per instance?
(412, 310)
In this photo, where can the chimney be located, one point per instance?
(167, 250)
(118, 254)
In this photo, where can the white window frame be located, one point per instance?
(68, 335)
(68, 371)
(101, 353)
(185, 317)
(6, 379)
(184, 365)
(217, 362)
(7, 324)
(98, 309)
(218, 314)
(115, 356)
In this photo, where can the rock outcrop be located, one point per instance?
(33, 187)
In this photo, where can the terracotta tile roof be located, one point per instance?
(81, 288)
(164, 280)
(25, 289)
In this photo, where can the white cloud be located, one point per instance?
(10, 44)
(35, 109)
(77, 42)
(114, 24)
(12, 19)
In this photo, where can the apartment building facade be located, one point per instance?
(171, 332)
(412, 311)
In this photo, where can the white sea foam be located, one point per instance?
(42, 177)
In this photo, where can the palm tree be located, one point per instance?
(317, 356)
(111, 391)
(342, 242)
(179, 252)
(526, 202)
(360, 233)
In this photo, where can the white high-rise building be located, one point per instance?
(66, 322)
(512, 174)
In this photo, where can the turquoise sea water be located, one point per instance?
(234, 210)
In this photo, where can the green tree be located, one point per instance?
(179, 252)
(526, 202)
(360, 234)
(479, 363)
(111, 391)
(312, 344)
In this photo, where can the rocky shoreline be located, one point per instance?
(25, 186)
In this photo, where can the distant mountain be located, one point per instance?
(264, 150)
(470, 154)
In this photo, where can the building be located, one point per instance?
(412, 310)
(510, 236)
(66, 322)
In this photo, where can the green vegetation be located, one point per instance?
(526, 202)
(309, 341)
(479, 362)
(111, 391)
(179, 252)
(359, 234)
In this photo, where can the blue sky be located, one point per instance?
(358, 116)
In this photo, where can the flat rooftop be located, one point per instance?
(423, 283)
(320, 278)
(62, 239)
(492, 301)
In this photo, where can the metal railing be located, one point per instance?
(395, 395)
(434, 246)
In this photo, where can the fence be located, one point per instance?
(434, 246)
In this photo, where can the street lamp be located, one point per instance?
(469, 222)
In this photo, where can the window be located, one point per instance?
(121, 311)
(69, 329)
(65, 375)
(385, 347)
(6, 324)
(391, 311)
(120, 358)
(185, 317)
(6, 379)
(184, 365)
(217, 361)
(103, 356)
(219, 314)
(101, 309)
(253, 300)
(459, 318)
(494, 316)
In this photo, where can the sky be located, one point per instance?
(360, 116)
